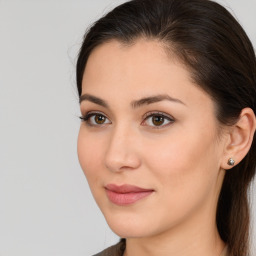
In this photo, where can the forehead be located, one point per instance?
(139, 60)
(138, 70)
(142, 51)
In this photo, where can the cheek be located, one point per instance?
(183, 162)
(89, 155)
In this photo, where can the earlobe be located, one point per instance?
(240, 139)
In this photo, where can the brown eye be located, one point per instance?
(157, 120)
(99, 119)
(95, 119)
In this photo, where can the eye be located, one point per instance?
(157, 120)
(95, 119)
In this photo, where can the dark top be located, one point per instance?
(115, 250)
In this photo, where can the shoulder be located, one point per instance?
(115, 250)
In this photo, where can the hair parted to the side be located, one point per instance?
(217, 51)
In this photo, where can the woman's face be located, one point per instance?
(149, 144)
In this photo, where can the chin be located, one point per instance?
(129, 231)
(131, 225)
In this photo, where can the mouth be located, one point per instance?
(126, 194)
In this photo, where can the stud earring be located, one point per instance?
(231, 161)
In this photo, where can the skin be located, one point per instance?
(181, 160)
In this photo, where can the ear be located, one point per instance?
(240, 137)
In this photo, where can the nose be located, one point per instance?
(122, 151)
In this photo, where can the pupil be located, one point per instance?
(158, 120)
(99, 119)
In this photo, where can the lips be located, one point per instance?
(126, 194)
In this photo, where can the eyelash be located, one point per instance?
(87, 116)
(146, 117)
(163, 115)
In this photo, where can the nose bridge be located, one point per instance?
(121, 151)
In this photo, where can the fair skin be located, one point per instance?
(181, 158)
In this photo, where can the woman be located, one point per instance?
(168, 100)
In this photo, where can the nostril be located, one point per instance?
(121, 161)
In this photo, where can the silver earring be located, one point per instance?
(231, 161)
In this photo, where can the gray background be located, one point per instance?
(46, 208)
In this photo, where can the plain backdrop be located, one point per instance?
(46, 208)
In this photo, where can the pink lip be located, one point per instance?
(126, 194)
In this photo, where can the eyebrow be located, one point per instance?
(154, 99)
(93, 99)
(135, 103)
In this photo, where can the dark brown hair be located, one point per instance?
(217, 51)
